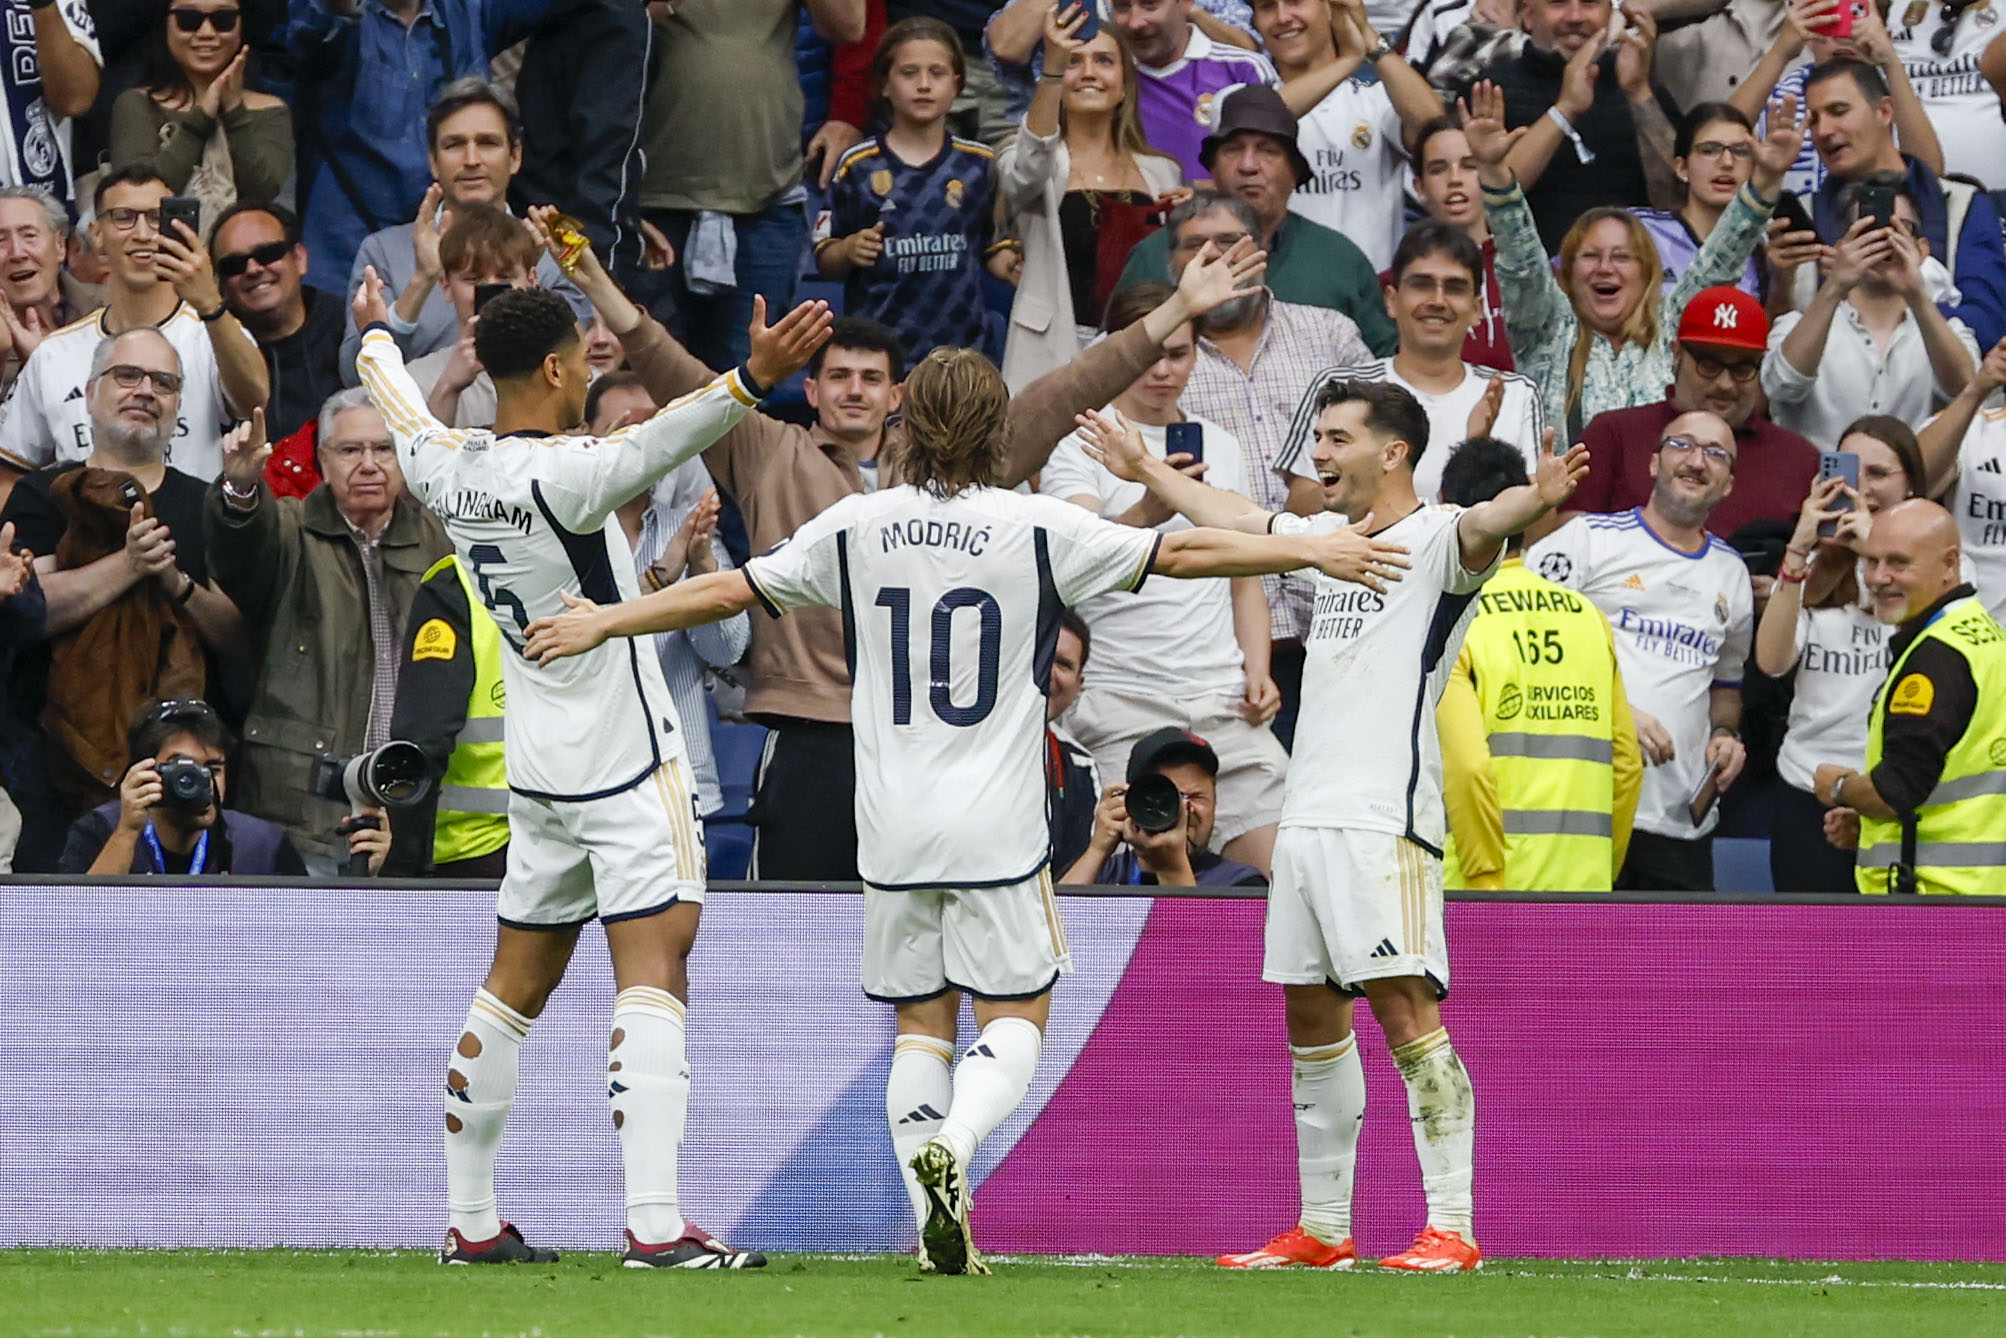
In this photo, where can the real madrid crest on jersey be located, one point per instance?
(953, 192)
(1987, 16)
(881, 181)
(1361, 136)
(1202, 113)
(1720, 609)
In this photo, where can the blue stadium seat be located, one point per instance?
(727, 839)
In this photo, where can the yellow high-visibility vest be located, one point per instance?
(473, 794)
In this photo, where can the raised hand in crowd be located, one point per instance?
(16, 569)
(1212, 280)
(245, 451)
(1559, 473)
(1634, 51)
(461, 369)
(426, 229)
(1484, 415)
(184, 261)
(368, 307)
(226, 92)
(1776, 151)
(782, 349)
(688, 550)
(24, 329)
(1577, 80)
(1483, 113)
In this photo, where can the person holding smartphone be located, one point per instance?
(483, 254)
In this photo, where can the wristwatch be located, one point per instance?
(1718, 730)
(1379, 50)
(1838, 788)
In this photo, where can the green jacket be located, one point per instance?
(294, 571)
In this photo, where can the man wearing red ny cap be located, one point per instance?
(1717, 367)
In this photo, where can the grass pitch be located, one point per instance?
(349, 1294)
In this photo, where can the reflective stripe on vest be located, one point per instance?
(1544, 672)
(473, 794)
(1951, 844)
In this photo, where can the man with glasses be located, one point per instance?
(37, 295)
(1433, 293)
(262, 265)
(334, 573)
(1683, 612)
(1716, 368)
(157, 281)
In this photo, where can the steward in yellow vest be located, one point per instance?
(1930, 807)
(1540, 766)
(450, 702)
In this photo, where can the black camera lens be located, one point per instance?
(396, 773)
(186, 785)
(1154, 803)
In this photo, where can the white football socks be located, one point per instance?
(1329, 1091)
(1444, 1111)
(480, 1088)
(918, 1093)
(648, 1086)
(992, 1078)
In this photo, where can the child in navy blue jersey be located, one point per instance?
(912, 211)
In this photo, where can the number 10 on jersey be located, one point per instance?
(940, 653)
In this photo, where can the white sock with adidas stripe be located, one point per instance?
(1444, 1110)
(992, 1078)
(648, 1086)
(1329, 1091)
(480, 1088)
(918, 1092)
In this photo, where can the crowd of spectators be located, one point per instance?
(1713, 240)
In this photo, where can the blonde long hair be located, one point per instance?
(1128, 134)
(1641, 325)
(955, 403)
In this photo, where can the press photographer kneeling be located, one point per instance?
(169, 816)
(1156, 830)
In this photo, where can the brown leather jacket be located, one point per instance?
(136, 648)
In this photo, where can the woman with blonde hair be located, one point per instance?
(1599, 335)
(1080, 183)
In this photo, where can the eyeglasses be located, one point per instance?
(232, 266)
(125, 218)
(127, 377)
(1744, 373)
(1423, 284)
(191, 20)
(352, 452)
(1742, 152)
(1713, 455)
(1223, 242)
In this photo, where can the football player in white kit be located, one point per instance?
(601, 811)
(951, 591)
(1356, 904)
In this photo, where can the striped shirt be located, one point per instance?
(685, 655)
(1296, 344)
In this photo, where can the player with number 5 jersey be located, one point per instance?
(602, 814)
(951, 590)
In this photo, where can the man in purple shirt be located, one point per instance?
(1183, 72)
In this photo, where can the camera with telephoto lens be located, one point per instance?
(393, 776)
(1154, 803)
(186, 785)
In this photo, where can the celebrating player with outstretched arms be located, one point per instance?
(602, 814)
(952, 590)
(1356, 904)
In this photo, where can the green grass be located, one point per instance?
(348, 1294)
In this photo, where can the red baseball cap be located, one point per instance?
(1725, 318)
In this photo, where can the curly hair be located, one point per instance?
(520, 328)
(954, 407)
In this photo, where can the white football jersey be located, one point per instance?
(1842, 661)
(1980, 506)
(1521, 419)
(532, 517)
(951, 609)
(1171, 638)
(1358, 166)
(44, 418)
(1963, 109)
(1366, 753)
(1683, 623)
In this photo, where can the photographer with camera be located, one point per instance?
(169, 816)
(1163, 818)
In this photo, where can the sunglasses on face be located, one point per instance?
(191, 20)
(232, 266)
(127, 377)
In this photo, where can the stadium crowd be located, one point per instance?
(1748, 252)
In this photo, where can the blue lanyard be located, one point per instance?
(195, 862)
(1135, 873)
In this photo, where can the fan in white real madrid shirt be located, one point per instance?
(1681, 605)
(951, 591)
(1434, 293)
(1939, 44)
(1965, 445)
(168, 283)
(1356, 903)
(602, 813)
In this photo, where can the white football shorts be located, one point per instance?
(1002, 943)
(618, 858)
(1349, 906)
